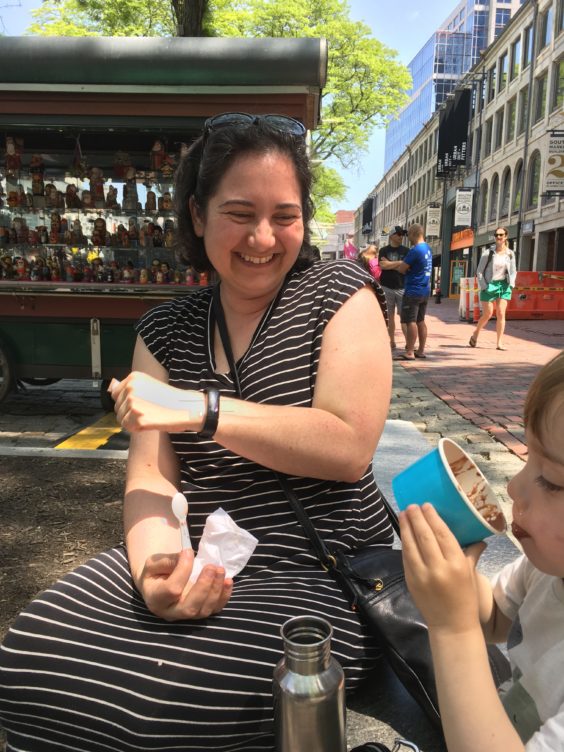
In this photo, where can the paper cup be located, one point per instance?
(449, 480)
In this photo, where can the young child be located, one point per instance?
(524, 604)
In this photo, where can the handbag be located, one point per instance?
(372, 578)
(379, 747)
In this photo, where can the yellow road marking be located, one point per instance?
(92, 436)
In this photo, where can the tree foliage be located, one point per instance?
(366, 84)
(118, 18)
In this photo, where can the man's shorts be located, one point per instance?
(394, 299)
(413, 308)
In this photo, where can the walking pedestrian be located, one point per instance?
(350, 251)
(417, 267)
(496, 274)
(392, 280)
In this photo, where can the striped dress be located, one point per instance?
(86, 667)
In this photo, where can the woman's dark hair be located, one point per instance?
(207, 161)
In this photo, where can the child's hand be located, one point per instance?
(439, 574)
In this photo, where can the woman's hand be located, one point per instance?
(440, 576)
(144, 403)
(167, 593)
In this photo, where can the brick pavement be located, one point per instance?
(484, 385)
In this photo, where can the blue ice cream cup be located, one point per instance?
(449, 479)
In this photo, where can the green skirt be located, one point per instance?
(495, 290)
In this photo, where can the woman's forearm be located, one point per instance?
(309, 442)
(149, 524)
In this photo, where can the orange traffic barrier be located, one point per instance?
(467, 298)
(476, 306)
(469, 309)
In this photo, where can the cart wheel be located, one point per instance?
(6, 374)
(106, 397)
(40, 382)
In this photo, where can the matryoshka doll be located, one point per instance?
(189, 276)
(143, 276)
(151, 202)
(6, 267)
(155, 267)
(55, 273)
(165, 270)
(158, 237)
(12, 159)
(22, 272)
(133, 232)
(97, 187)
(87, 200)
(99, 231)
(55, 230)
(35, 271)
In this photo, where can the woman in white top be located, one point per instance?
(496, 277)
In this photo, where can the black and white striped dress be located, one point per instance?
(87, 667)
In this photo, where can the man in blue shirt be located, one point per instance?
(417, 266)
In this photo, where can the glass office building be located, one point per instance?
(449, 53)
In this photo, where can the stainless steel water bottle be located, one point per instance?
(309, 690)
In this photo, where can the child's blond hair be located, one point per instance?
(545, 395)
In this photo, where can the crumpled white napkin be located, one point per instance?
(223, 543)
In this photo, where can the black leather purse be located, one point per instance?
(379, 747)
(373, 580)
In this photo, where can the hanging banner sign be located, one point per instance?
(367, 209)
(453, 132)
(554, 178)
(433, 228)
(463, 207)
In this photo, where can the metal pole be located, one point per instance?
(445, 267)
(523, 182)
(480, 81)
(407, 204)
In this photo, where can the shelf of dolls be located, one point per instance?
(146, 267)
(80, 227)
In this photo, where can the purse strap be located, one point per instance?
(323, 553)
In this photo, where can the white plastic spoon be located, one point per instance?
(180, 511)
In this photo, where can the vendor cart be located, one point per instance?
(52, 331)
(92, 131)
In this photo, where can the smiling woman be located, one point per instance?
(220, 430)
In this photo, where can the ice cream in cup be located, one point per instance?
(450, 480)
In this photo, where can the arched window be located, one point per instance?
(494, 198)
(533, 181)
(483, 201)
(517, 187)
(505, 191)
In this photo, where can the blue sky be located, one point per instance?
(403, 25)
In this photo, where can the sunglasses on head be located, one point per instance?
(233, 119)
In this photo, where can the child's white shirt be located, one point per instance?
(534, 698)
